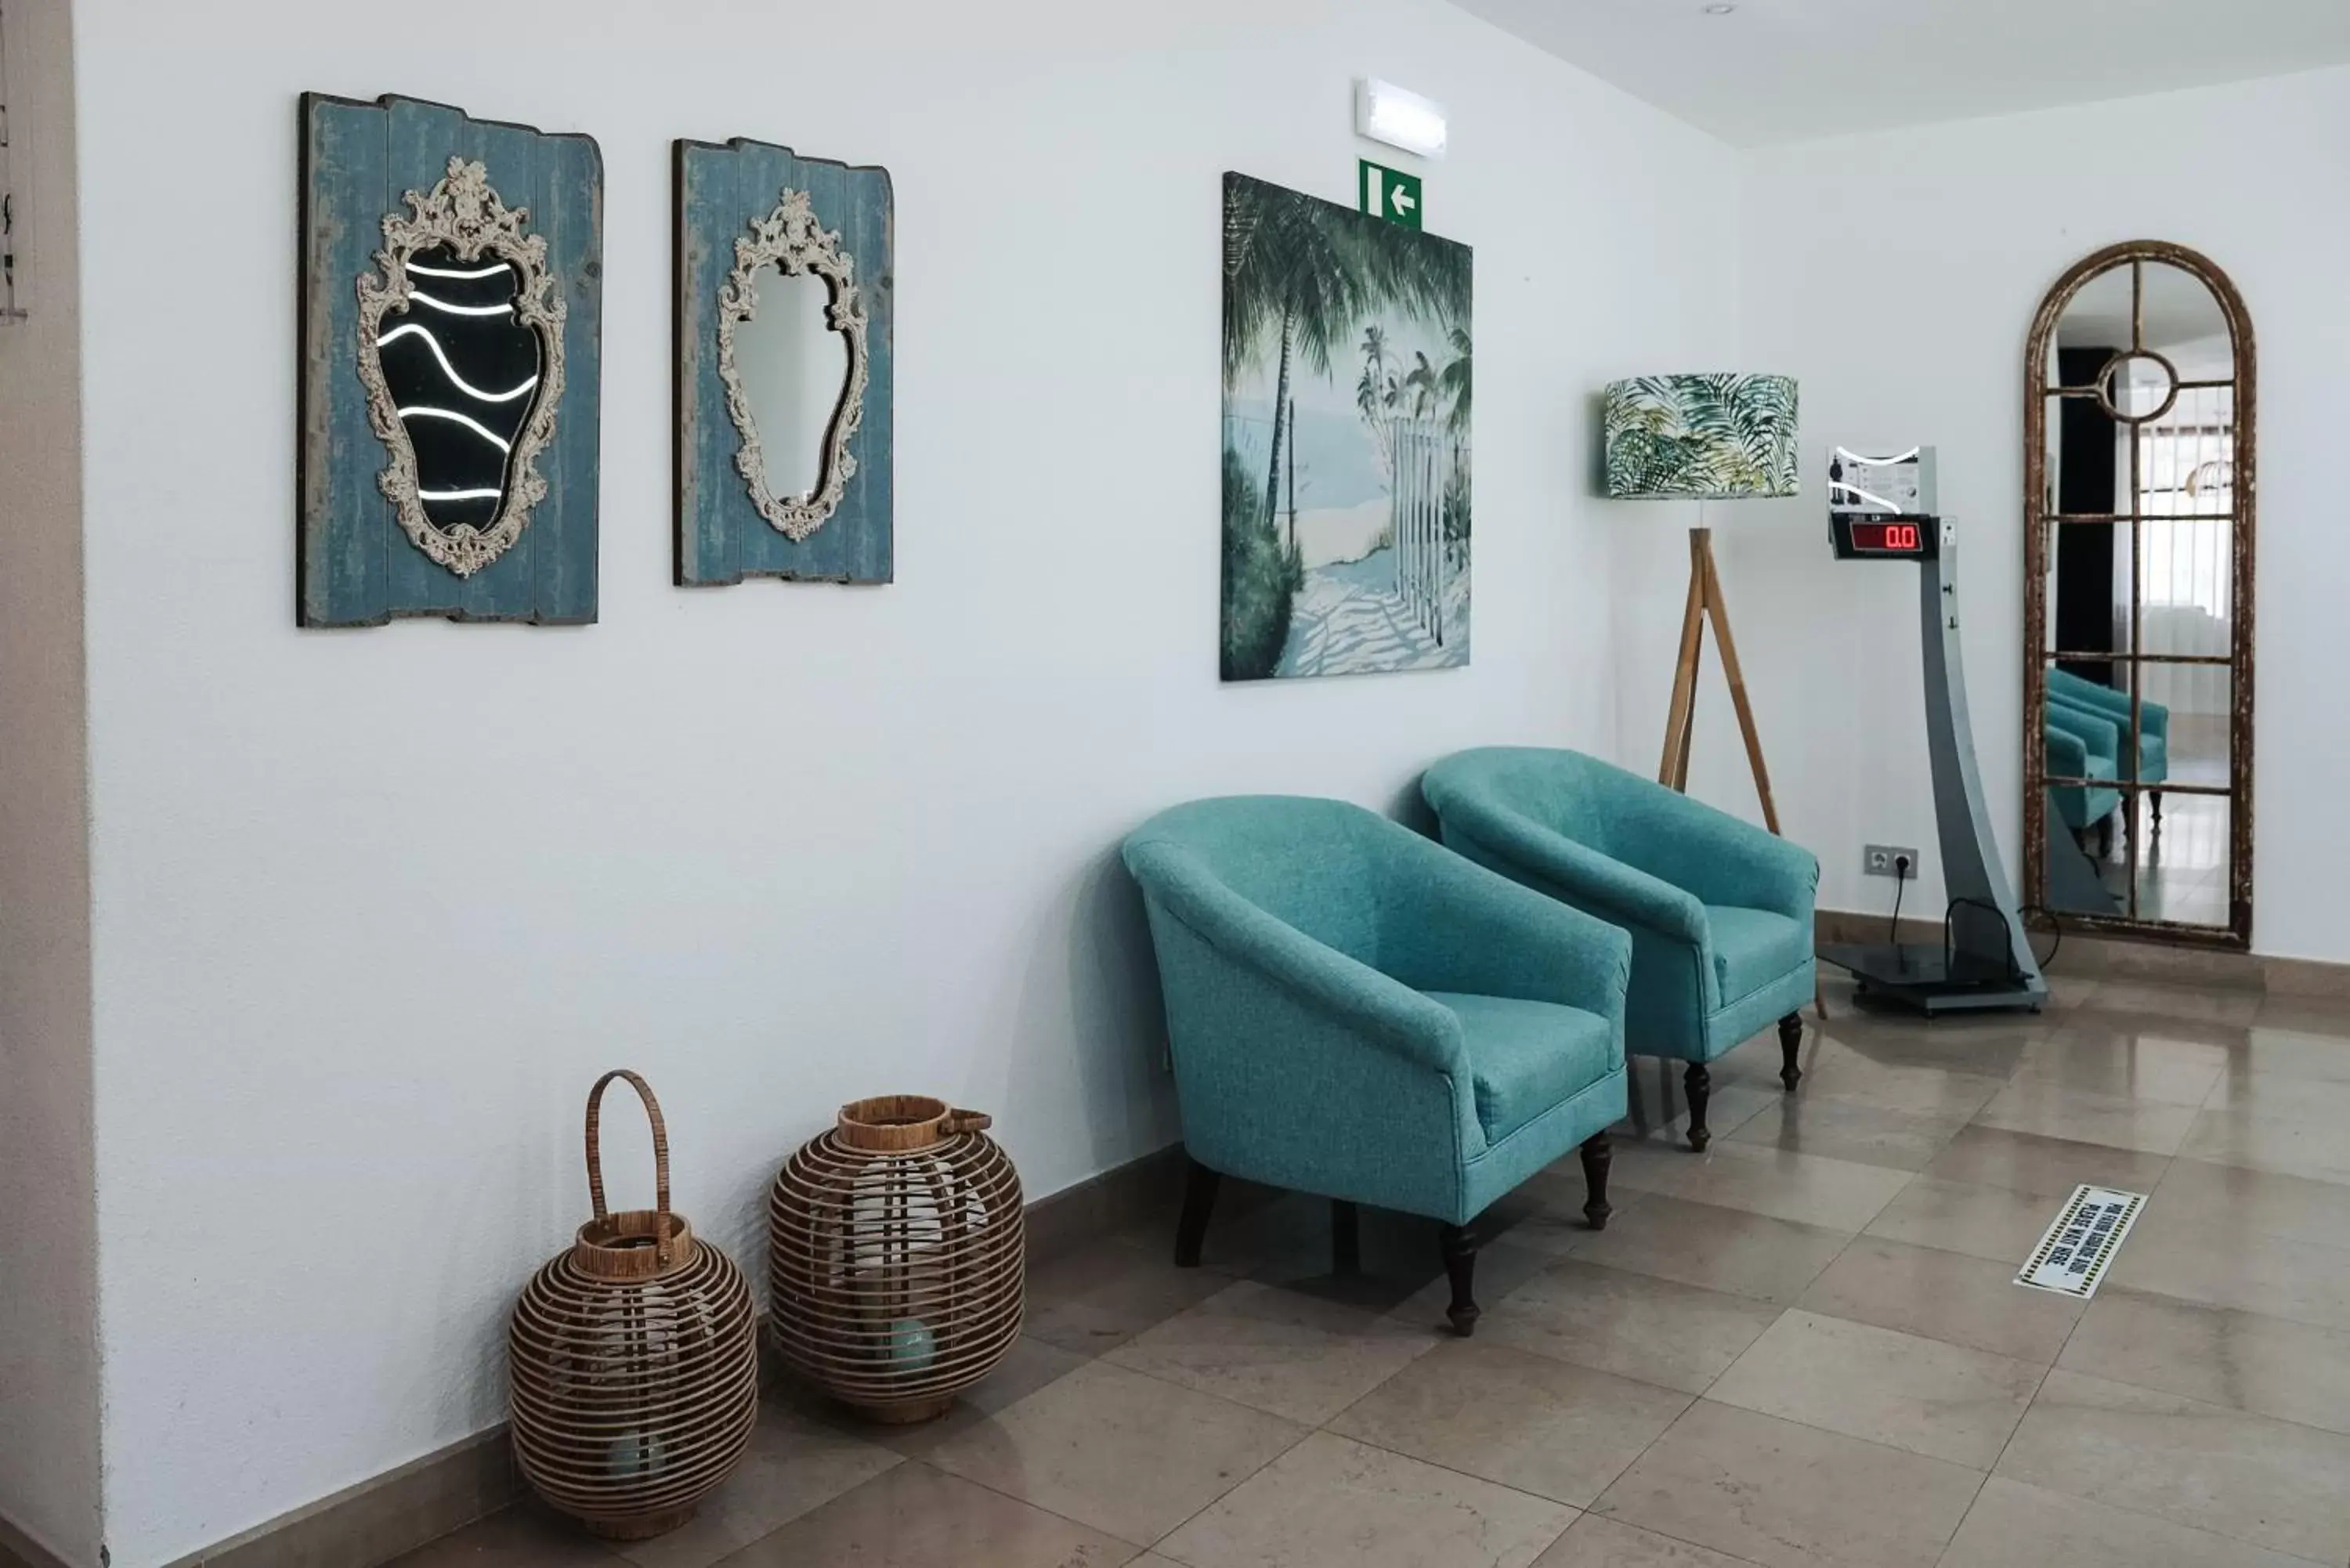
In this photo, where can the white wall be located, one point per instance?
(373, 907)
(1897, 274)
(49, 1255)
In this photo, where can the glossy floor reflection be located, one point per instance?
(1800, 1348)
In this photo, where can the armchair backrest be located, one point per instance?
(1574, 795)
(1314, 865)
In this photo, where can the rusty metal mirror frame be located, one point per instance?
(2041, 518)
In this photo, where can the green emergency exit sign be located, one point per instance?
(1388, 194)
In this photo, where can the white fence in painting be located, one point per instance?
(1428, 554)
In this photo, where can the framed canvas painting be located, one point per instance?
(1346, 440)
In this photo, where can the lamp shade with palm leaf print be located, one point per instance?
(1714, 437)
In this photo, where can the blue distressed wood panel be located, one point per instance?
(356, 566)
(721, 537)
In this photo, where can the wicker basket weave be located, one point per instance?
(635, 1360)
(896, 1259)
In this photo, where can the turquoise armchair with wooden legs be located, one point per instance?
(1360, 1014)
(1720, 911)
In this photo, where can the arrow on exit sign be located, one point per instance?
(1388, 194)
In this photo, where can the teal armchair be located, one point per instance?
(2082, 746)
(1357, 1012)
(2074, 697)
(1720, 911)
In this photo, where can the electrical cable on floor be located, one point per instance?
(2055, 926)
(1900, 885)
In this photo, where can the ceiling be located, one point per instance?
(1788, 70)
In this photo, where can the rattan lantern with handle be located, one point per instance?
(635, 1360)
(896, 1257)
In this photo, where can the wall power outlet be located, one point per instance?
(1888, 860)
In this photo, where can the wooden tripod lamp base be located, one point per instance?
(1705, 604)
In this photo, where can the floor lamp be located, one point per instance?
(1703, 438)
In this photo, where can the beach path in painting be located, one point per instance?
(1349, 619)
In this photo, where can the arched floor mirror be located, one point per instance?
(2139, 499)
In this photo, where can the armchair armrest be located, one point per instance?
(1720, 859)
(1383, 1011)
(2068, 757)
(1452, 925)
(2099, 736)
(1620, 893)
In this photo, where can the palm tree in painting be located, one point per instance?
(1286, 274)
(1420, 382)
(1303, 272)
(1453, 381)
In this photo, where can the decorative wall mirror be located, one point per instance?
(792, 353)
(461, 350)
(2139, 405)
(783, 366)
(452, 284)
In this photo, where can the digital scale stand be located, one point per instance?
(1879, 509)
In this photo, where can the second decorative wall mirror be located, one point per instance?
(2138, 498)
(451, 286)
(783, 367)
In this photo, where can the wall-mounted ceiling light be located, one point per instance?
(1720, 8)
(1386, 112)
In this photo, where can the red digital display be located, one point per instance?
(1886, 538)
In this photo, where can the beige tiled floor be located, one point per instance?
(1803, 1347)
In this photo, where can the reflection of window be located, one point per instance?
(2185, 475)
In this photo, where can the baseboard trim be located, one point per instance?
(1120, 1198)
(19, 1550)
(2080, 956)
(403, 1509)
(383, 1516)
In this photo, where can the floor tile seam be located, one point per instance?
(1577, 1509)
(1682, 1394)
(1830, 1431)
(1933, 1338)
(1666, 1534)
(1159, 1545)
(1966, 1513)
(2133, 1512)
(2046, 1485)
(1845, 1232)
(1307, 1427)
(1566, 1361)
(898, 1461)
(2040, 1377)
(2059, 1198)
(1011, 1497)
(1717, 1290)
(2097, 1143)
(2328, 1247)
(2341, 1330)
(2207, 1404)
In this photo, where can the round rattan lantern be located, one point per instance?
(896, 1259)
(635, 1360)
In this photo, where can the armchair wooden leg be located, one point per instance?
(1199, 1199)
(1346, 1238)
(1458, 1247)
(1597, 1154)
(1791, 1039)
(1698, 1083)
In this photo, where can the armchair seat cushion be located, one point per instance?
(1751, 948)
(1526, 1057)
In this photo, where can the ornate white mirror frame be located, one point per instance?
(789, 240)
(464, 214)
